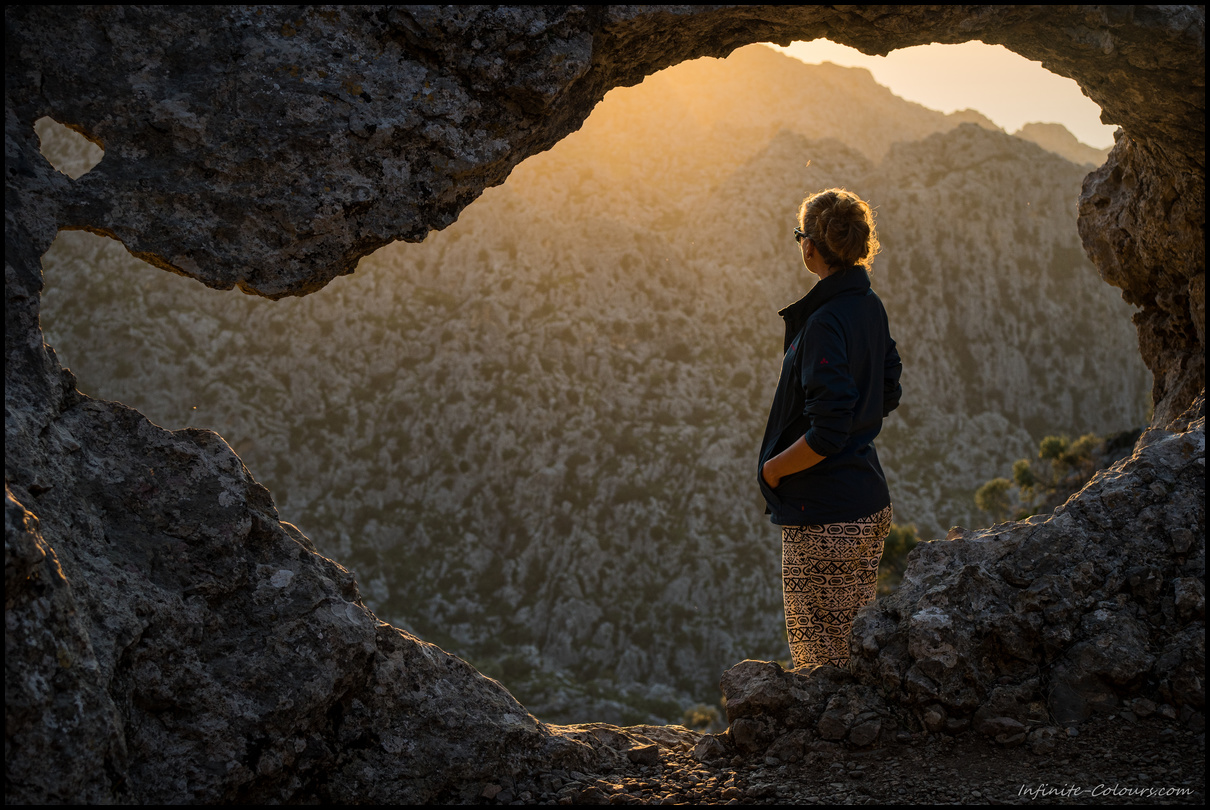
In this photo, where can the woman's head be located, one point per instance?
(841, 226)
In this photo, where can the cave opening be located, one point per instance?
(67, 150)
(589, 376)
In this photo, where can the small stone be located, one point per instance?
(1182, 540)
(748, 735)
(763, 791)
(592, 795)
(709, 749)
(644, 755)
(832, 725)
(1010, 740)
(866, 733)
(957, 725)
(1190, 595)
(1043, 741)
(1000, 726)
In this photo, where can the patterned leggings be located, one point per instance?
(828, 573)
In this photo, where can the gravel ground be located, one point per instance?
(1109, 761)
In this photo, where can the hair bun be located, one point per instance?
(841, 225)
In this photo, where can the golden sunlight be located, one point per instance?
(1006, 87)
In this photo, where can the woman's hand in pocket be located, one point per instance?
(770, 477)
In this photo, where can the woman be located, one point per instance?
(818, 470)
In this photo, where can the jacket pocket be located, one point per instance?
(771, 497)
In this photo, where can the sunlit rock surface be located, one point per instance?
(163, 629)
(1142, 225)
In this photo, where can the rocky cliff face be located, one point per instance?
(167, 637)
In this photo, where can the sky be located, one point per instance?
(1007, 88)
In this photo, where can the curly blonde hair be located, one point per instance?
(841, 225)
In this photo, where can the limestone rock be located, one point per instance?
(1142, 227)
(780, 713)
(58, 716)
(204, 630)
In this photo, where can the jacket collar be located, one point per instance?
(851, 280)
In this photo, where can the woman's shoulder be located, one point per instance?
(844, 306)
(848, 318)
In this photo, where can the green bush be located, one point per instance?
(701, 717)
(994, 498)
(1061, 468)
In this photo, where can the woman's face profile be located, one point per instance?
(802, 239)
(811, 258)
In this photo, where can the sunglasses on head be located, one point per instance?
(799, 235)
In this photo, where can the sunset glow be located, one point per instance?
(1007, 88)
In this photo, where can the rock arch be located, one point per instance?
(164, 621)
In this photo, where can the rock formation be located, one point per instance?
(168, 638)
(600, 334)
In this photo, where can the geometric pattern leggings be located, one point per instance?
(828, 573)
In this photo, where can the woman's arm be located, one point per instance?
(891, 389)
(795, 458)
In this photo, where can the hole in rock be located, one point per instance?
(533, 435)
(65, 149)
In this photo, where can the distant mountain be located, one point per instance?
(972, 117)
(533, 436)
(1056, 138)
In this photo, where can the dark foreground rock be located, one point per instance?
(198, 650)
(168, 639)
(1113, 759)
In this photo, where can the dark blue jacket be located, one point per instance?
(839, 379)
